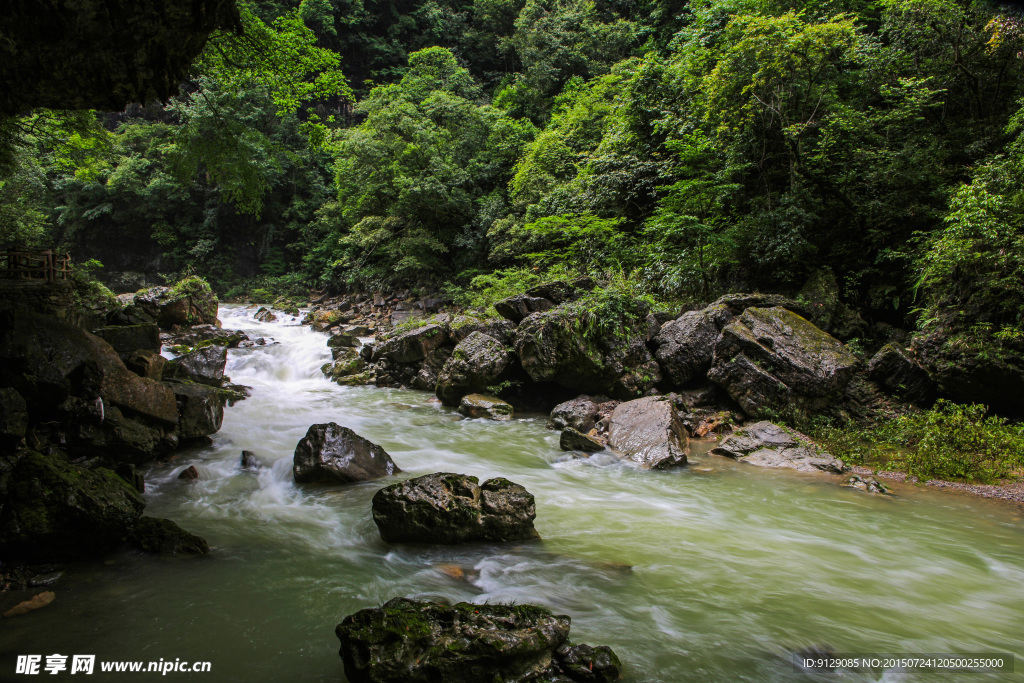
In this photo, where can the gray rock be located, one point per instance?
(201, 408)
(580, 413)
(560, 291)
(342, 339)
(766, 444)
(453, 508)
(517, 307)
(145, 363)
(899, 374)
(204, 365)
(413, 345)
(866, 484)
(572, 440)
(478, 362)
(773, 362)
(426, 376)
(481, 405)
(685, 346)
(332, 454)
(185, 306)
(649, 431)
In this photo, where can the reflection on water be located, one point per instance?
(709, 573)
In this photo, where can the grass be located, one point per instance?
(951, 441)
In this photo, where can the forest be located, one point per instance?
(476, 147)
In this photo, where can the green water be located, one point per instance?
(709, 573)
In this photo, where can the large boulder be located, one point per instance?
(773, 362)
(478, 362)
(47, 360)
(482, 405)
(409, 641)
(201, 409)
(609, 357)
(128, 338)
(685, 346)
(332, 454)
(517, 307)
(894, 369)
(454, 508)
(766, 444)
(649, 431)
(413, 345)
(560, 291)
(204, 365)
(425, 374)
(58, 511)
(189, 302)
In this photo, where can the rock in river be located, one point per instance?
(768, 445)
(454, 508)
(649, 431)
(409, 641)
(480, 405)
(332, 454)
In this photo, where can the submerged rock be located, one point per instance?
(332, 454)
(190, 473)
(480, 405)
(265, 315)
(409, 641)
(866, 484)
(649, 431)
(773, 362)
(164, 537)
(768, 445)
(478, 362)
(454, 508)
(250, 461)
(572, 440)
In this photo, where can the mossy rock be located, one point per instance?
(58, 511)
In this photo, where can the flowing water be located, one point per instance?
(708, 573)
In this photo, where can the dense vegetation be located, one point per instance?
(454, 144)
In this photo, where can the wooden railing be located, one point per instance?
(38, 265)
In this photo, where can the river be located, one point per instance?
(707, 573)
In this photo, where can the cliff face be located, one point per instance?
(101, 54)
